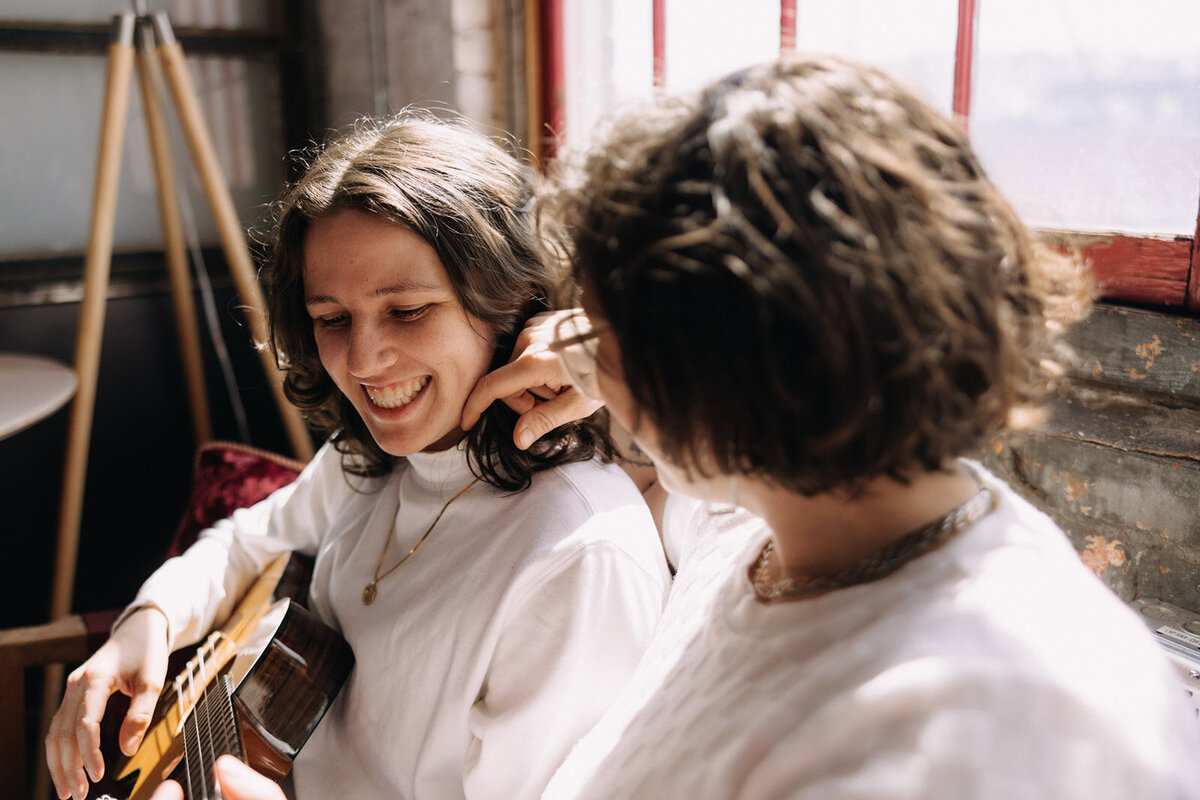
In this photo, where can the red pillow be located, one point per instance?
(229, 476)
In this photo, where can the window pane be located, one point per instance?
(913, 40)
(609, 60)
(706, 39)
(200, 13)
(1087, 112)
(51, 129)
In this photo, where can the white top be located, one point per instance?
(996, 667)
(485, 656)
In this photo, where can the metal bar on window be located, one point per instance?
(53, 37)
(964, 58)
(787, 26)
(554, 78)
(659, 37)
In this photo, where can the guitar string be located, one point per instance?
(192, 724)
(197, 719)
(207, 763)
(187, 758)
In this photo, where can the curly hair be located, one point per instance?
(865, 301)
(470, 201)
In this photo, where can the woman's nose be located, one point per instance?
(370, 352)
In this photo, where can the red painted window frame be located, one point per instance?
(1154, 270)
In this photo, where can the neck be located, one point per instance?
(824, 534)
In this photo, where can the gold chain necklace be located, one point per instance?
(882, 562)
(369, 591)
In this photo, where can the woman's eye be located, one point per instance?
(408, 314)
(335, 321)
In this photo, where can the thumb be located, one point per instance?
(240, 782)
(168, 790)
(566, 407)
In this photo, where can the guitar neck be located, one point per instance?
(209, 732)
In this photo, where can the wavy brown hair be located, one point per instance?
(470, 201)
(810, 278)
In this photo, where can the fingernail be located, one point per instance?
(524, 439)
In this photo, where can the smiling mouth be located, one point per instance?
(397, 395)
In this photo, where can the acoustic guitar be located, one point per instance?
(255, 689)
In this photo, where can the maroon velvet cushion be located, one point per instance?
(229, 476)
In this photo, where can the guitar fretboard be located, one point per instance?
(210, 731)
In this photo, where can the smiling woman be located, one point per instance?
(460, 223)
(495, 599)
(391, 331)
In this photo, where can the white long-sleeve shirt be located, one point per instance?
(485, 656)
(994, 668)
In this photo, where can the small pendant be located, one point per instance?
(368, 595)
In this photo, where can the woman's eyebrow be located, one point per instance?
(406, 287)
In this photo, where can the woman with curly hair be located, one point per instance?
(804, 297)
(495, 598)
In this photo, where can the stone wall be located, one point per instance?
(1117, 462)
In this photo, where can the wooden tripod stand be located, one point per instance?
(158, 51)
(158, 54)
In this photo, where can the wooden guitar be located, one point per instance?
(255, 689)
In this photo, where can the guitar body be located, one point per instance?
(255, 689)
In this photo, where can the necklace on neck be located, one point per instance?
(882, 562)
(369, 591)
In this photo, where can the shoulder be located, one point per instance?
(694, 527)
(583, 510)
(980, 696)
(582, 491)
(324, 491)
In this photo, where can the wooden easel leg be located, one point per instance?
(176, 252)
(233, 239)
(87, 343)
(91, 321)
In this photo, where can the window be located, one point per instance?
(1084, 112)
(52, 74)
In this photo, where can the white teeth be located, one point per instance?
(399, 395)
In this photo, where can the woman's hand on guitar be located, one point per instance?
(238, 782)
(133, 661)
(534, 383)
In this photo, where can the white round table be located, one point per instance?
(31, 389)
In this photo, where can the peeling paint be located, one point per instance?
(1164, 570)
(1076, 487)
(1142, 526)
(1150, 351)
(997, 446)
(1101, 554)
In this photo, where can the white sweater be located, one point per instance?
(485, 656)
(996, 667)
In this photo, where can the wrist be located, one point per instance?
(148, 617)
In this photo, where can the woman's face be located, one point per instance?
(391, 331)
